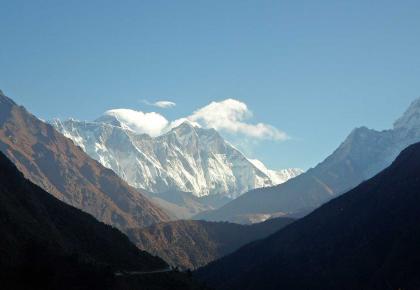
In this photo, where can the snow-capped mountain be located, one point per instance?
(186, 158)
(278, 177)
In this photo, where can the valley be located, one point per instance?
(209, 145)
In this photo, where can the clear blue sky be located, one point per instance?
(314, 69)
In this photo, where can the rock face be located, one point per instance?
(187, 158)
(365, 239)
(364, 153)
(53, 162)
(192, 244)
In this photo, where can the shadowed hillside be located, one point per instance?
(366, 239)
(191, 244)
(47, 244)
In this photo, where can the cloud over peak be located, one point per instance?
(151, 123)
(229, 116)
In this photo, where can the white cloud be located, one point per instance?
(230, 116)
(227, 116)
(160, 104)
(165, 104)
(151, 123)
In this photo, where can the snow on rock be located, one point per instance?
(187, 158)
(280, 176)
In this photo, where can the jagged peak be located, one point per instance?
(59, 122)
(55, 122)
(182, 129)
(6, 100)
(109, 119)
(357, 133)
(411, 117)
(185, 125)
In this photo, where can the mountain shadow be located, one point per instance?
(367, 238)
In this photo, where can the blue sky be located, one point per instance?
(313, 69)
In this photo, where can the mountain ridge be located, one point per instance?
(186, 158)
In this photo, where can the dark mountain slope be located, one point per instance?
(191, 244)
(366, 239)
(36, 228)
(53, 162)
(364, 153)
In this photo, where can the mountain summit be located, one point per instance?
(187, 158)
(411, 117)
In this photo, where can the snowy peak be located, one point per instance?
(112, 120)
(185, 131)
(188, 128)
(411, 117)
(186, 158)
(278, 177)
(185, 127)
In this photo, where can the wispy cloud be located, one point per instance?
(165, 104)
(160, 104)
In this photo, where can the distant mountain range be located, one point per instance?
(190, 244)
(186, 159)
(367, 238)
(364, 153)
(53, 162)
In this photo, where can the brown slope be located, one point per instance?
(191, 244)
(53, 162)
